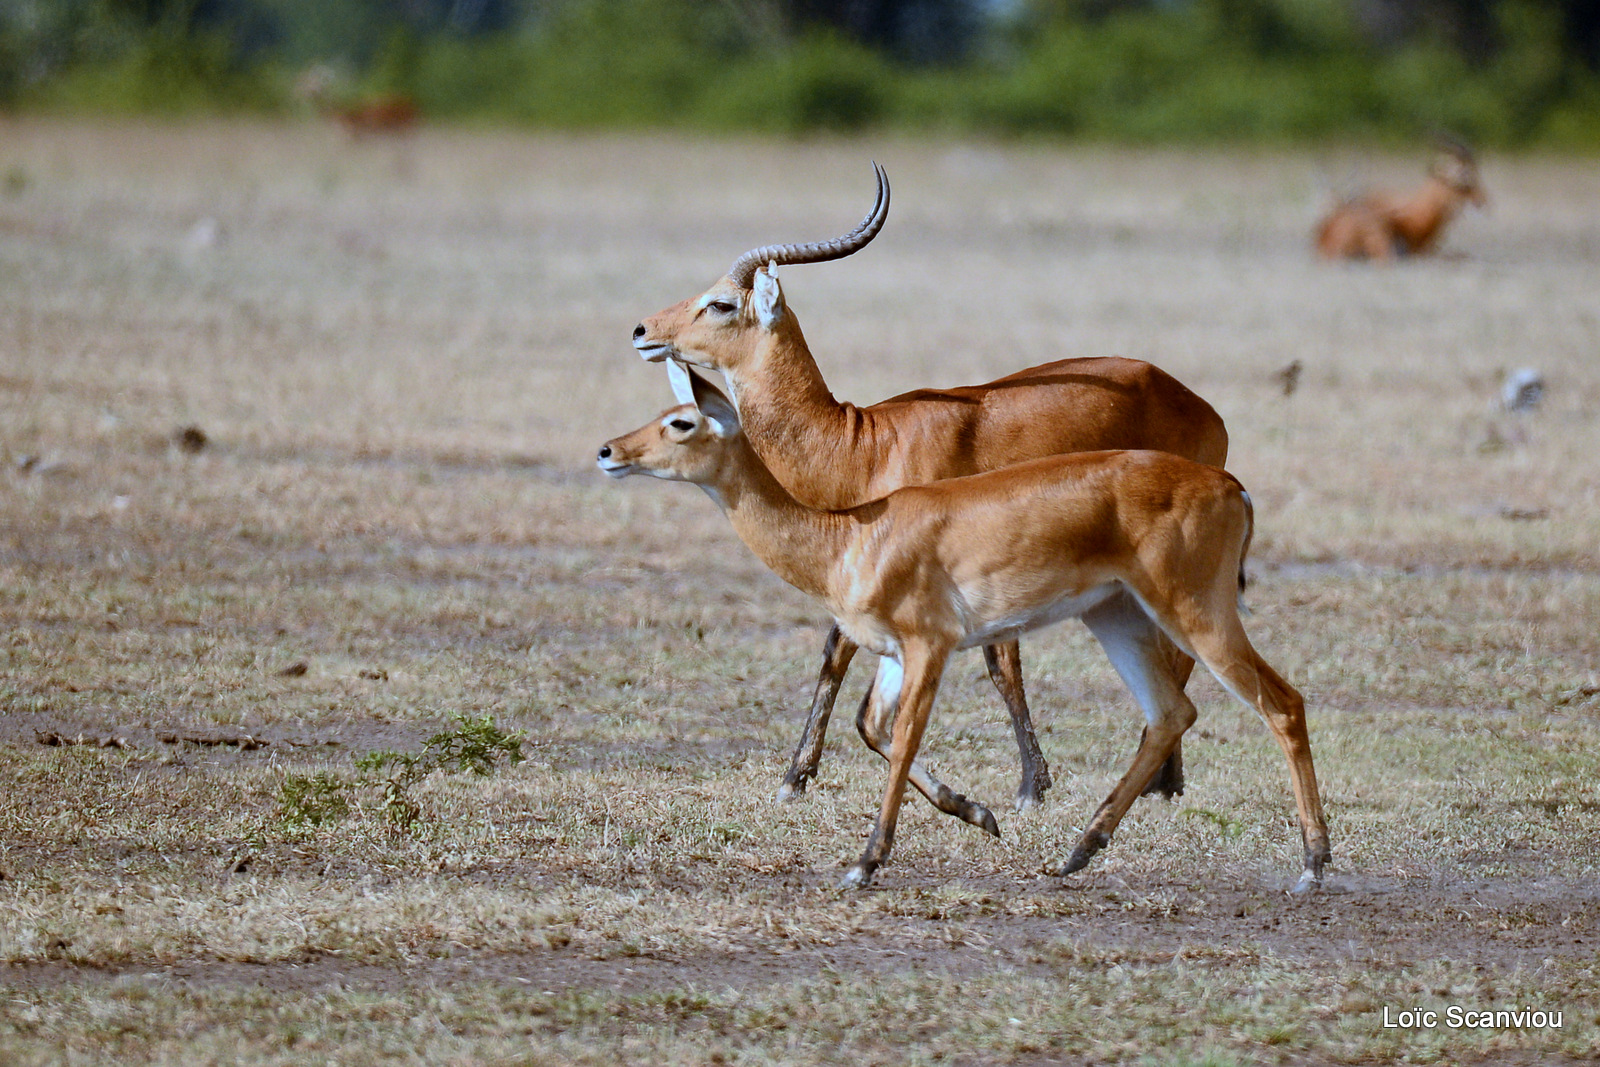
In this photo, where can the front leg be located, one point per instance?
(1004, 663)
(914, 682)
(837, 652)
(874, 723)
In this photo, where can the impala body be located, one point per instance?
(1381, 226)
(1145, 547)
(384, 113)
(834, 455)
(380, 113)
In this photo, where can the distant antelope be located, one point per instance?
(1381, 226)
(837, 455)
(380, 113)
(1143, 546)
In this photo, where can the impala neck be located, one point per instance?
(805, 436)
(1434, 205)
(802, 545)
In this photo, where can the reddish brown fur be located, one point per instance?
(387, 113)
(1381, 226)
(835, 455)
(931, 568)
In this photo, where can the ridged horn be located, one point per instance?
(743, 271)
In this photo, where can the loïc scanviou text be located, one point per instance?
(1456, 1017)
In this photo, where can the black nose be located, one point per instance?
(638, 331)
(605, 451)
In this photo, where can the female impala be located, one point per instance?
(1137, 544)
(831, 455)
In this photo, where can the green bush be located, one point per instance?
(1204, 70)
(162, 71)
(470, 746)
(821, 82)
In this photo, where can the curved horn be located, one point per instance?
(743, 271)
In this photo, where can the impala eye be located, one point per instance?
(681, 425)
(722, 307)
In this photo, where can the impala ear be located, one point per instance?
(681, 378)
(724, 417)
(768, 296)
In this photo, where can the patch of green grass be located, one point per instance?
(311, 800)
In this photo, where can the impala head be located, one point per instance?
(1457, 168)
(718, 328)
(687, 443)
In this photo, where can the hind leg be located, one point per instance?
(1168, 781)
(1229, 655)
(1139, 652)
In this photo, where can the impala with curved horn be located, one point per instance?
(833, 455)
(1145, 547)
(1381, 226)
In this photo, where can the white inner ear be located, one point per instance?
(768, 297)
(682, 387)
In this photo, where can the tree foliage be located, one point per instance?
(1501, 72)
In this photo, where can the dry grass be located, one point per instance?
(402, 356)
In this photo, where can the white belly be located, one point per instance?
(1008, 628)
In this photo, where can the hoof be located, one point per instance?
(1310, 881)
(1091, 843)
(857, 877)
(1164, 785)
(1168, 781)
(1032, 797)
(987, 821)
(789, 792)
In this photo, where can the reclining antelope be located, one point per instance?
(833, 455)
(1381, 226)
(1143, 546)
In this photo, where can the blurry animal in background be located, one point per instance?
(378, 113)
(1522, 390)
(1382, 226)
(1289, 377)
(836, 455)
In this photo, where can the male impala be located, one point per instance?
(1137, 544)
(832, 455)
(1381, 226)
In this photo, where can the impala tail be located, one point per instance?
(1244, 550)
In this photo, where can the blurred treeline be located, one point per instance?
(1506, 73)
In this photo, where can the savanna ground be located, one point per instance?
(396, 360)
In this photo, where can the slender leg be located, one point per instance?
(837, 652)
(1237, 665)
(1137, 650)
(875, 722)
(923, 666)
(1005, 671)
(1217, 639)
(1168, 781)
